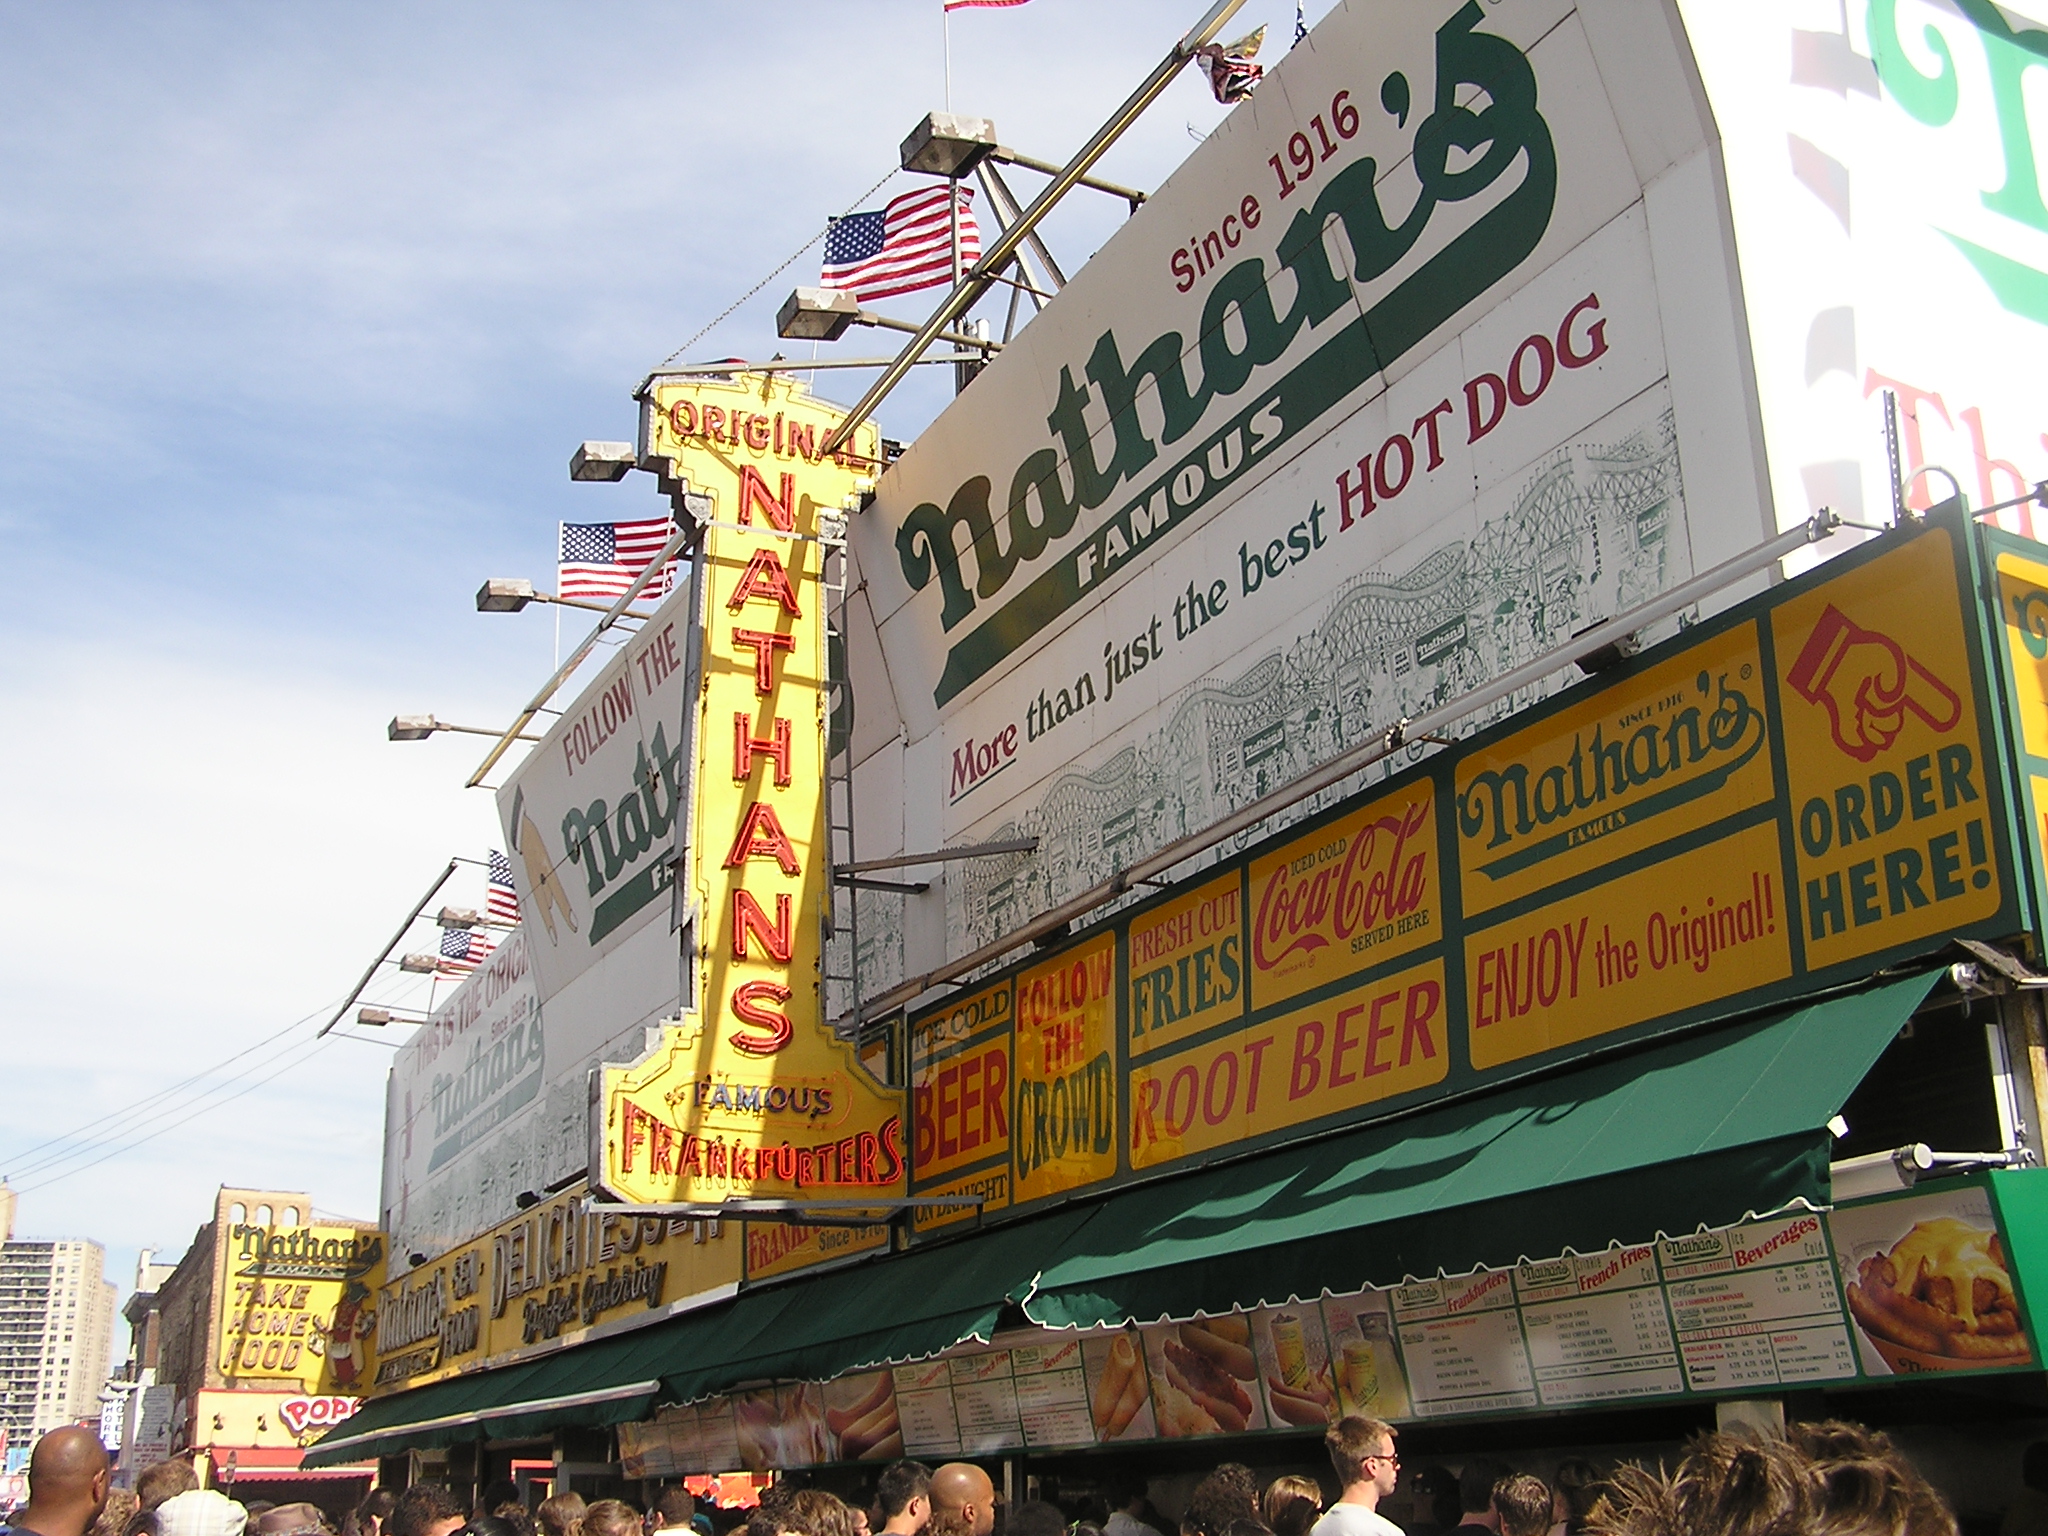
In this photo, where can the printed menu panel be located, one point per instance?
(1597, 1327)
(1757, 1305)
(718, 1435)
(1052, 1392)
(1462, 1341)
(924, 1406)
(985, 1403)
(1370, 1379)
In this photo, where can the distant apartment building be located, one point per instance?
(56, 1330)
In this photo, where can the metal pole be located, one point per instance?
(1679, 598)
(385, 953)
(999, 255)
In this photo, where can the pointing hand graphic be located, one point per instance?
(1867, 682)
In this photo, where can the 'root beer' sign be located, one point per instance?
(750, 1094)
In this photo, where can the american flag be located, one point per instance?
(601, 559)
(463, 951)
(976, 5)
(905, 247)
(501, 903)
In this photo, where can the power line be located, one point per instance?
(317, 1047)
(145, 1102)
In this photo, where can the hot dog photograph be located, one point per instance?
(1929, 1284)
(1295, 1381)
(1119, 1400)
(860, 1413)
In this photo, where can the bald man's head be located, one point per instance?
(67, 1482)
(963, 1490)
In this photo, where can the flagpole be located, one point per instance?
(557, 606)
(946, 33)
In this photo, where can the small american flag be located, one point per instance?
(502, 901)
(463, 951)
(976, 5)
(601, 559)
(905, 247)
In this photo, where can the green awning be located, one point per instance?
(1696, 1132)
(1699, 1132)
(901, 1307)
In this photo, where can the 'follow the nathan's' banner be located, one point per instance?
(1802, 791)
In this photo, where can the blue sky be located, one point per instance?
(302, 311)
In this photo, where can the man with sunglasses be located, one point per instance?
(1362, 1454)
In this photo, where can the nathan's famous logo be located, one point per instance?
(495, 1078)
(1247, 322)
(1613, 779)
(607, 838)
(1376, 881)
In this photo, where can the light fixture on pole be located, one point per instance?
(420, 727)
(458, 917)
(377, 1018)
(823, 314)
(419, 965)
(602, 461)
(510, 594)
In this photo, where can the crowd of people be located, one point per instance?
(1814, 1479)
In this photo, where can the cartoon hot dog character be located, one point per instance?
(1940, 1299)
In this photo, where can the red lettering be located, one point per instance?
(761, 836)
(748, 918)
(765, 578)
(745, 744)
(780, 511)
(1308, 1069)
(751, 1002)
(764, 644)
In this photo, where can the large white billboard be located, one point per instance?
(1886, 185)
(1428, 358)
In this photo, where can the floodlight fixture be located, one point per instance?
(823, 314)
(602, 461)
(420, 965)
(375, 1017)
(948, 145)
(504, 594)
(816, 314)
(458, 917)
(420, 727)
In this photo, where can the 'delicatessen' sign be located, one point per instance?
(1801, 791)
(749, 1093)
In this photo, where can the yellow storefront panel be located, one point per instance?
(1684, 931)
(1370, 1043)
(1884, 756)
(1357, 892)
(1186, 966)
(1674, 748)
(1065, 1071)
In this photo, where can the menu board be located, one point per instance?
(1763, 1310)
(1871, 1290)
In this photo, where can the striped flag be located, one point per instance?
(502, 901)
(905, 247)
(981, 5)
(602, 559)
(462, 951)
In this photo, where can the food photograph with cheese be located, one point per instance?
(1929, 1284)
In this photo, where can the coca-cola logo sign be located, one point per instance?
(1358, 891)
(303, 1413)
